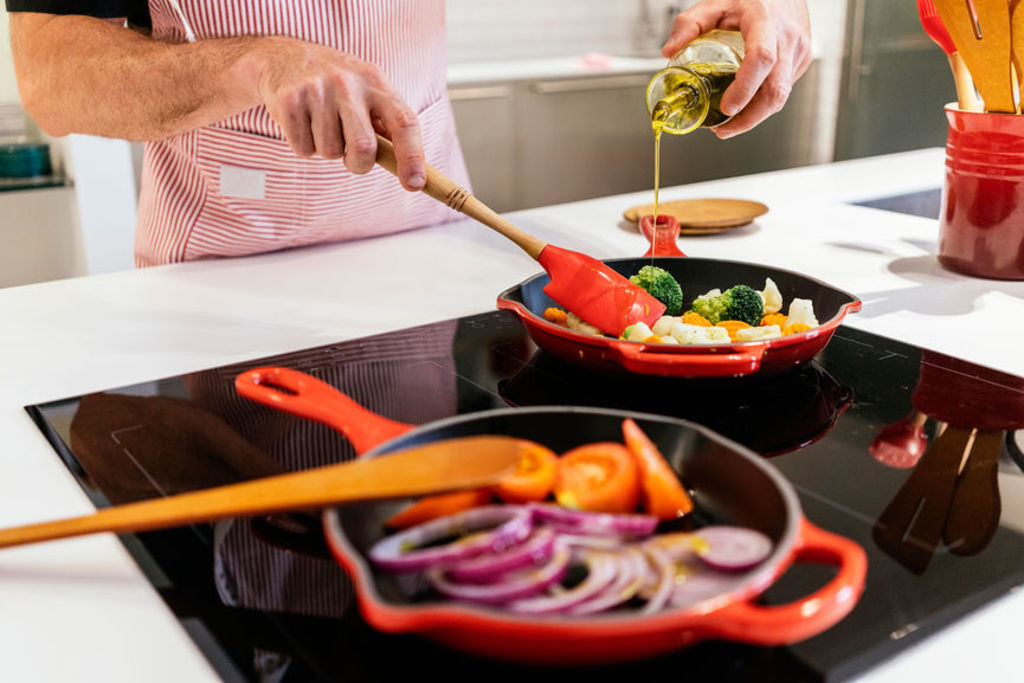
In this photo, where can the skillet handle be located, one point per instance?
(300, 394)
(667, 234)
(638, 358)
(809, 616)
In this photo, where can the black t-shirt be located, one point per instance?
(137, 11)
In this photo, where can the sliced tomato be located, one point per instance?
(534, 476)
(432, 507)
(663, 493)
(600, 477)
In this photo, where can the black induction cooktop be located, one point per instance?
(263, 602)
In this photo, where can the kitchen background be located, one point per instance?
(549, 104)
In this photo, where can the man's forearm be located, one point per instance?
(83, 75)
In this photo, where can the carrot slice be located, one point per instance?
(556, 315)
(692, 318)
(599, 477)
(663, 493)
(731, 326)
(534, 476)
(432, 507)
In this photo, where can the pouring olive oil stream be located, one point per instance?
(687, 94)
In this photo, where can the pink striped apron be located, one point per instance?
(235, 187)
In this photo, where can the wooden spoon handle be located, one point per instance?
(448, 192)
(468, 462)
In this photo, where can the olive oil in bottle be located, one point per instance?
(687, 94)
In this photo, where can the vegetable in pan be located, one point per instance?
(605, 477)
(660, 284)
(542, 558)
(739, 314)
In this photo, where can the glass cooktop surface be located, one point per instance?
(855, 431)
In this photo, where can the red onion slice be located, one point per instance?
(506, 525)
(601, 568)
(490, 566)
(732, 548)
(595, 542)
(678, 546)
(661, 591)
(513, 586)
(627, 582)
(595, 523)
(697, 584)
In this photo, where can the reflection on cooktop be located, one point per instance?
(772, 415)
(939, 512)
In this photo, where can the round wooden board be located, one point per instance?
(703, 216)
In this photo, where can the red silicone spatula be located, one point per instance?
(580, 283)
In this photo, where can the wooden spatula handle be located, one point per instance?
(448, 192)
(468, 462)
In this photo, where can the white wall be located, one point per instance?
(485, 30)
(8, 86)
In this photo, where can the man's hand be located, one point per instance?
(777, 34)
(332, 104)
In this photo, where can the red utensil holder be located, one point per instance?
(981, 224)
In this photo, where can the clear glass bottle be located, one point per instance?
(687, 93)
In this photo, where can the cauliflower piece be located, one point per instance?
(715, 335)
(577, 324)
(663, 326)
(801, 311)
(758, 333)
(772, 296)
(637, 332)
(685, 334)
(699, 334)
(668, 339)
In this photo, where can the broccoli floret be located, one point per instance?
(660, 284)
(739, 303)
(743, 303)
(710, 306)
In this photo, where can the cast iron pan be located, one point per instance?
(730, 485)
(696, 276)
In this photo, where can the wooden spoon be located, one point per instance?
(987, 55)
(1017, 44)
(468, 462)
(976, 507)
(580, 283)
(910, 528)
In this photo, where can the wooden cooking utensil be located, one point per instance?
(580, 283)
(468, 462)
(987, 56)
(966, 97)
(975, 509)
(1017, 42)
(910, 527)
(702, 216)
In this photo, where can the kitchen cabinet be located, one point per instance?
(538, 142)
(40, 228)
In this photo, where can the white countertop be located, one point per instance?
(80, 610)
(573, 66)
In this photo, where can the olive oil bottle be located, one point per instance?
(687, 94)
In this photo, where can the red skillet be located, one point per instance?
(730, 485)
(578, 282)
(696, 276)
